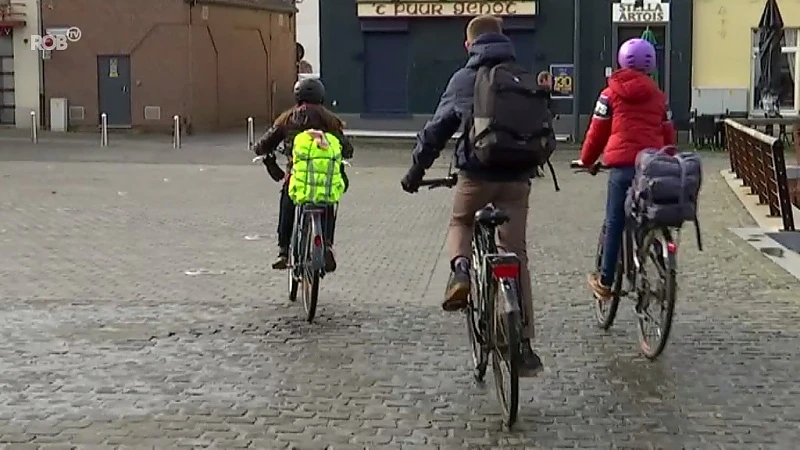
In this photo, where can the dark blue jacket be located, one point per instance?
(455, 108)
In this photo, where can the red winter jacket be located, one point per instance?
(631, 115)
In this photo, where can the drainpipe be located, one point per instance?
(576, 58)
(187, 115)
(42, 99)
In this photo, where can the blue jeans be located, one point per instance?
(619, 180)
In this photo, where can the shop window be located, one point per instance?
(7, 101)
(625, 32)
(790, 63)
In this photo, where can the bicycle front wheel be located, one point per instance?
(506, 357)
(292, 271)
(476, 330)
(606, 310)
(657, 292)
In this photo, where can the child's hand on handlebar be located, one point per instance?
(580, 166)
(577, 164)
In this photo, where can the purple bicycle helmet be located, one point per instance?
(637, 54)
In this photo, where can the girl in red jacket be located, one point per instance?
(630, 115)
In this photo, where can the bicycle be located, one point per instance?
(307, 254)
(640, 244)
(307, 249)
(494, 313)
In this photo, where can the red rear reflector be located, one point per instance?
(506, 270)
(671, 247)
(317, 241)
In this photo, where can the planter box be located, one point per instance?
(793, 180)
(797, 143)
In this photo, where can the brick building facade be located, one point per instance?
(213, 62)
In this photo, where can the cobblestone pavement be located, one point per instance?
(106, 342)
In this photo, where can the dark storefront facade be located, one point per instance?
(385, 64)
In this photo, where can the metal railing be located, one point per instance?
(759, 161)
(178, 130)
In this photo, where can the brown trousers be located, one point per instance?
(512, 197)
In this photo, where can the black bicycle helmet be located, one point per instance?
(309, 90)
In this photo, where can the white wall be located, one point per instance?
(27, 66)
(308, 30)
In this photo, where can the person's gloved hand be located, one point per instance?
(412, 179)
(273, 168)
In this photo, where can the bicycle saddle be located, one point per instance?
(491, 216)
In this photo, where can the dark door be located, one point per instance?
(625, 32)
(524, 47)
(386, 66)
(114, 88)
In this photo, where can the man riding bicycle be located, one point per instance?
(477, 184)
(630, 115)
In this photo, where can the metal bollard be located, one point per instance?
(176, 138)
(104, 130)
(34, 128)
(251, 136)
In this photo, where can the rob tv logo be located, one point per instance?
(55, 41)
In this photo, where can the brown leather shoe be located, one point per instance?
(457, 292)
(601, 292)
(330, 260)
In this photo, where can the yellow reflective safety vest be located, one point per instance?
(316, 168)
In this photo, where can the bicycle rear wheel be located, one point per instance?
(606, 310)
(476, 329)
(506, 357)
(310, 276)
(294, 270)
(656, 304)
(293, 284)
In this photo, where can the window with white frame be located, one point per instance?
(790, 62)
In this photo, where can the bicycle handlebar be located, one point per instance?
(592, 170)
(261, 158)
(432, 183)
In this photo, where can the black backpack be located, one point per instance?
(512, 125)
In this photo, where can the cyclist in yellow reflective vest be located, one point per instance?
(316, 146)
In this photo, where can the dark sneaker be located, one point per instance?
(282, 262)
(530, 365)
(457, 293)
(330, 260)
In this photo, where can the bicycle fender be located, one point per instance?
(508, 295)
(318, 254)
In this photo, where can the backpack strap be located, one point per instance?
(553, 174)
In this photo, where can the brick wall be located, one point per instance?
(212, 64)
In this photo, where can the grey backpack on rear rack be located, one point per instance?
(511, 128)
(666, 188)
